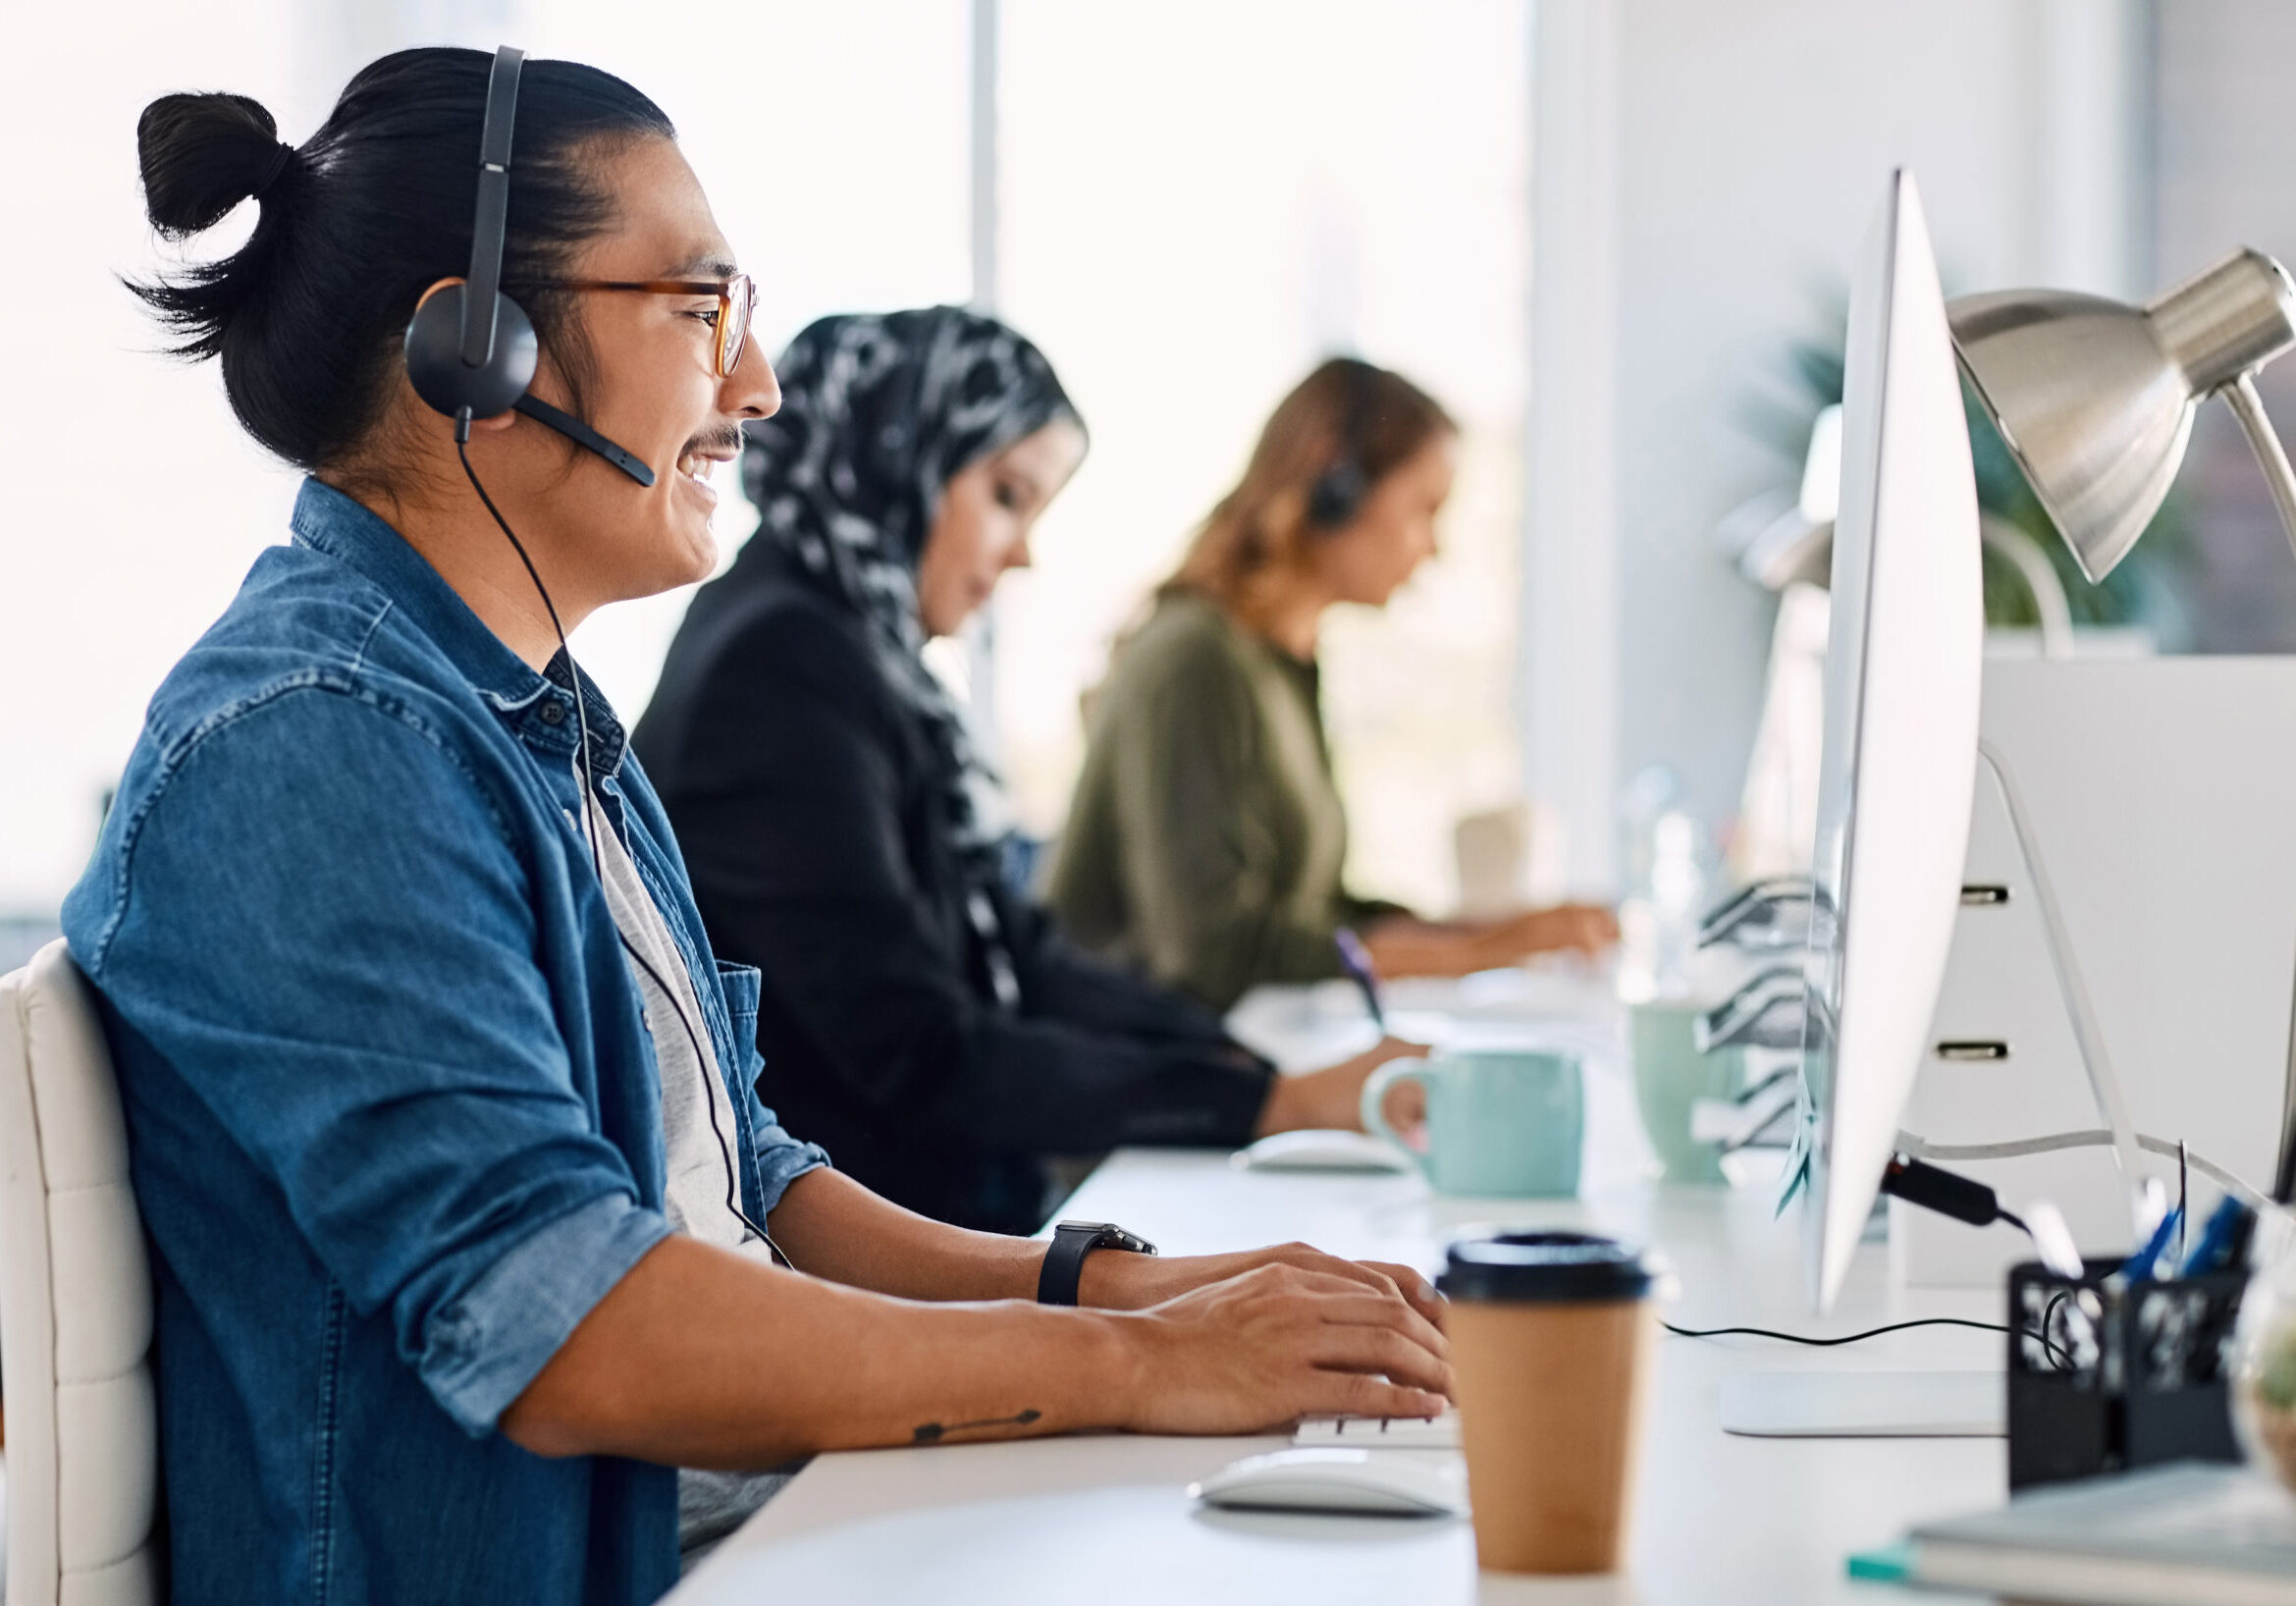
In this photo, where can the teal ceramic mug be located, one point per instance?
(1504, 1123)
(1672, 1078)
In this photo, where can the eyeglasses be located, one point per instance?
(737, 298)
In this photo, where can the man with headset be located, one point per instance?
(440, 1109)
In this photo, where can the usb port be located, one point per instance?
(1988, 894)
(1973, 1050)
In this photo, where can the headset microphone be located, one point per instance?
(470, 350)
(582, 435)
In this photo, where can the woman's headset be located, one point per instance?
(1338, 493)
(470, 350)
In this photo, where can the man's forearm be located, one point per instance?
(831, 1227)
(747, 1365)
(700, 1356)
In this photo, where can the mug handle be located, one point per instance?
(1374, 1095)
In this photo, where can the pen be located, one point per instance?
(2216, 1247)
(1356, 960)
(2138, 1267)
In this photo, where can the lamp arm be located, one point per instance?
(2072, 987)
(2050, 606)
(2248, 407)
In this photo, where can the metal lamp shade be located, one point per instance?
(2096, 413)
(2095, 397)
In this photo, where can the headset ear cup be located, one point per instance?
(1337, 494)
(434, 356)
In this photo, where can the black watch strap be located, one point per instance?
(1064, 1262)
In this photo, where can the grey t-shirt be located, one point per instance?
(710, 1504)
(697, 1112)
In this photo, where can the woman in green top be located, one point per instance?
(1206, 837)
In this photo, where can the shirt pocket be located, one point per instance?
(742, 986)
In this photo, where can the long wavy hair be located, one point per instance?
(1259, 535)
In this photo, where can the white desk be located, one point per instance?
(1558, 997)
(1721, 1521)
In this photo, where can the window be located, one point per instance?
(1196, 205)
(134, 502)
(834, 143)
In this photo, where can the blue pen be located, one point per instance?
(2138, 1268)
(2215, 1249)
(1356, 960)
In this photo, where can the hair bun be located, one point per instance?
(201, 156)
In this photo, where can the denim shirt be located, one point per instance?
(392, 1115)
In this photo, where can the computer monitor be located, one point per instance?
(1898, 765)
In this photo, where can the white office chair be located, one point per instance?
(83, 1458)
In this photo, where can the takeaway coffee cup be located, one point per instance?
(1552, 1339)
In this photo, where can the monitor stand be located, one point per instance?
(1866, 1405)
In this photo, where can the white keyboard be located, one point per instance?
(1381, 1432)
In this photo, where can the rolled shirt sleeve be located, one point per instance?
(386, 1033)
(486, 1344)
(781, 1161)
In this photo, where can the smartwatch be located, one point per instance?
(1064, 1262)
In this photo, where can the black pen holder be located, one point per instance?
(2106, 1374)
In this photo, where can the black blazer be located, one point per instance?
(801, 793)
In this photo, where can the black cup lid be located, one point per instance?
(1545, 1267)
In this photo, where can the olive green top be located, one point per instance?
(1206, 837)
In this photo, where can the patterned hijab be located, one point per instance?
(878, 412)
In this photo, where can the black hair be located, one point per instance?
(307, 316)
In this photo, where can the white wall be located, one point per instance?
(133, 502)
(2227, 123)
(1750, 143)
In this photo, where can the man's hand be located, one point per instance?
(1117, 1281)
(1332, 1097)
(1276, 1343)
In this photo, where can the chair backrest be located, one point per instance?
(83, 1492)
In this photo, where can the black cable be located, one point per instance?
(2183, 1194)
(1829, 1342)
(2049, 1318)
(1871, 1332)
(590, 838)
(2015, 1221)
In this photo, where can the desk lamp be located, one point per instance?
(2095, 397)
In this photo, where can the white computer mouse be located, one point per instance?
(1354, 1482)
(1322, 1151)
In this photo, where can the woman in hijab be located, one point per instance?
(930, 1027)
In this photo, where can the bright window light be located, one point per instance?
(1199, 201)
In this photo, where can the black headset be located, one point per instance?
(1338, 493)
(470, 350)
(478, 366)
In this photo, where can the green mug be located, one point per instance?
(1503, 1123)
(1672, 1078)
